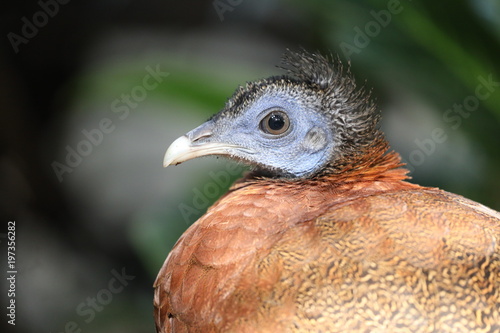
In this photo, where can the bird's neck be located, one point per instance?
(380, 167)
(375, 171)
(311, 196)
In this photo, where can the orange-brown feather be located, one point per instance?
(359, 249)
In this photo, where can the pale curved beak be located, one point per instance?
(183, 149)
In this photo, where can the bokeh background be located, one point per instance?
(116, 210)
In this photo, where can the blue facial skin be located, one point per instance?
(303, 149)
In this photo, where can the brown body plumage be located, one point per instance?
(353, 249)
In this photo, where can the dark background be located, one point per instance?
(118, 209)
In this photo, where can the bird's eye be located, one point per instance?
(276, 122)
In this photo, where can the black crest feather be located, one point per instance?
(310, 68)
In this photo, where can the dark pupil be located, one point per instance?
(276, 122)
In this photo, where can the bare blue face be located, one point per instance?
(278, 132)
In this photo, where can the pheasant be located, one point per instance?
(325, 234)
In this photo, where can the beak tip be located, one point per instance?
(177, 149)
(169, 163)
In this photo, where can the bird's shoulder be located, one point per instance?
(425, 226)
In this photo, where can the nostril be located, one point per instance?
(202, 135)
(198, 135)
(203, 131)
